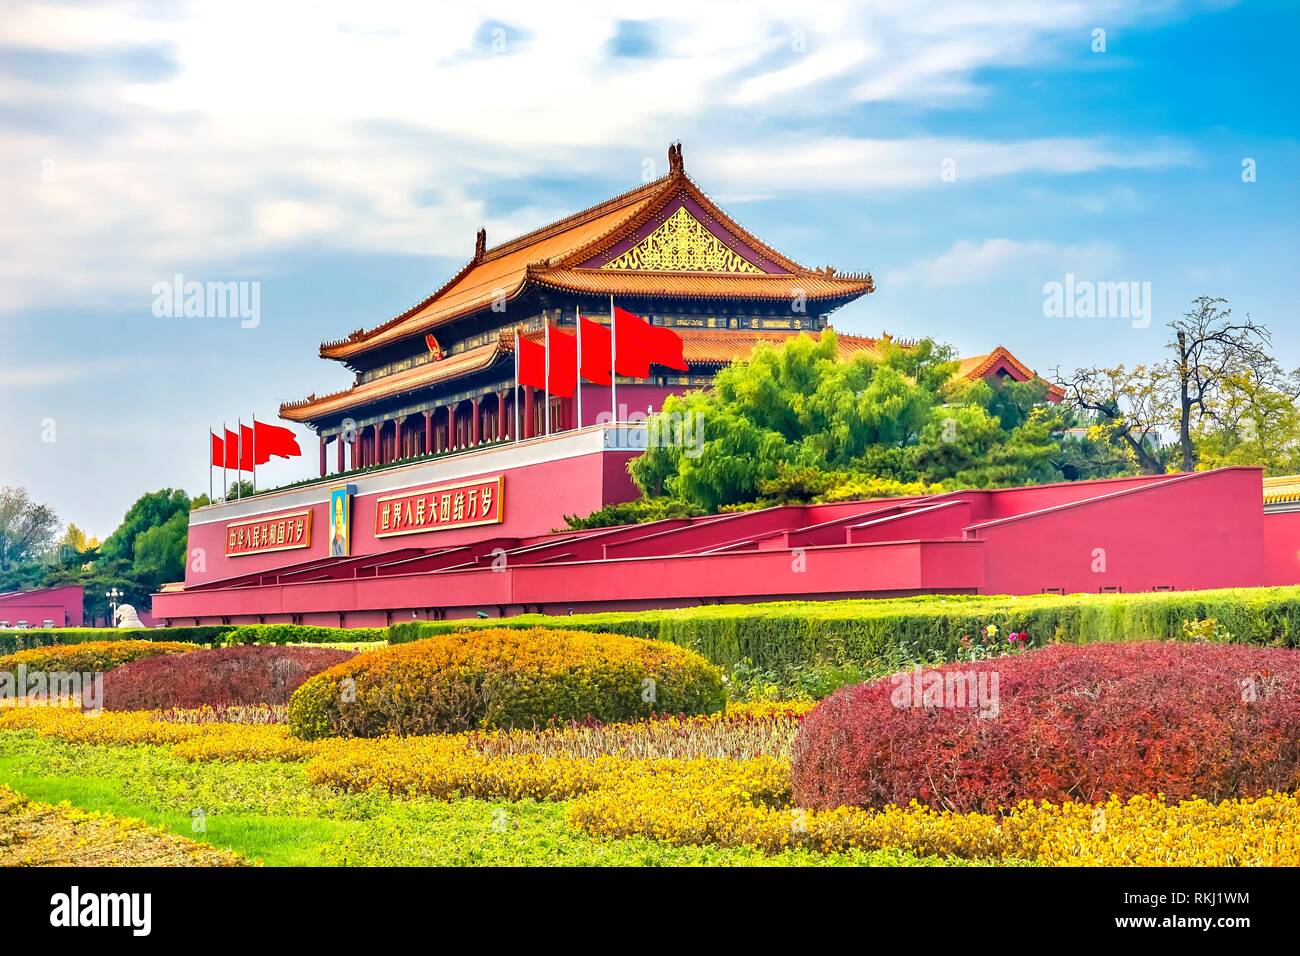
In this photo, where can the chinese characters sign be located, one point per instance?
(461, 505)
(276, 533)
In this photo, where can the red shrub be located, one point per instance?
(250, 674)
(1073, 722)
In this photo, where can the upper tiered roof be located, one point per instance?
(664, 239)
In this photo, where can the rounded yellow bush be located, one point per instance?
(501, 679)
(93, 656)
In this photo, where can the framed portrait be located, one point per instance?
(340, 521)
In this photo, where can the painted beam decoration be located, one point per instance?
(441, 507)
(284, 532)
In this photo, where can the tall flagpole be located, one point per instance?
(225, 485)
(577, 318)
(255, 452)
(547, 405)
(239, 459)
(516, 386)
(613, 362)
(211, 436)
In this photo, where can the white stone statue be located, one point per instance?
(125, 616)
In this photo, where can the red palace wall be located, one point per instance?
(1183, 532)
(544, 480)
(1281, 547)
(63, 606)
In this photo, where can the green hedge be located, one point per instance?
(785, 633)
(11, 641)
(302, 634)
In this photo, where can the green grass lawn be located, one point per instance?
(270, 812)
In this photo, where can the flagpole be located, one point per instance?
(516, 385)
(223, 453)
(547, 404)
(225, 485)
(239, 459)
(254, 453)
(577, 318)
(613, 362)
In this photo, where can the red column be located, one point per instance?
(475, 430)
(428, 431)
(501, 416)
(341, 463)
(528, 411)
(323, 442)
(379, 444)
(451, 427)
(400, 450)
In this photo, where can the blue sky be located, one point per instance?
(343, 157)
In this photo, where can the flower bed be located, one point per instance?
(1072, 723)
(503, 678)
(37, 834)
(719, 783)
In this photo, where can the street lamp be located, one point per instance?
(113, 594)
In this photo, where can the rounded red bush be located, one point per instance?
(249, 674)
(1063, 723)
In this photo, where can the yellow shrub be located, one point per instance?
(90, 656)
(503, 678)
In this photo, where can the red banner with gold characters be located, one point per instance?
(261, 535)
(441, 507)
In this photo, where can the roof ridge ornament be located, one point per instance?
(675, 165)
(480, 244)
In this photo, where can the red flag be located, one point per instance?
(218, 451)
(641, 344)
(632, 345)
(563, 360)
(666, 348)
(595, 352)
(232, 450)
(532, 363)
(274, 440)
(245, 448)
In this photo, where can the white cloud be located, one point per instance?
(57, 373)
(969, 262)
(846, 163)
(384, 128)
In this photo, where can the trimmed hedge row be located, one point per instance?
(11, 641)
(841, 632)
(926, 627)
(302, 634)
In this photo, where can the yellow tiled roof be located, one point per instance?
(553, 256)
(1281, 488)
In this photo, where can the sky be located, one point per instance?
(341, 156)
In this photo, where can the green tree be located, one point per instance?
(1250, 422)
(149, 511)
(27, 529)
(797, 423)
(159, 553)
(1191, 398)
